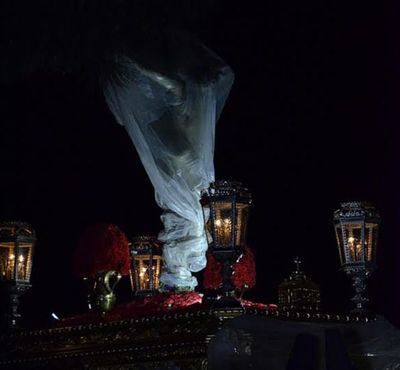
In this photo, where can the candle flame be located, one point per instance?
(142, 272)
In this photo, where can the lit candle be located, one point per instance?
(223, 230)
(143, 277)
(355, 248)
(21, 267)
(10, 266)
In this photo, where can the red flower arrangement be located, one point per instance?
(158, 304)
(244, 272)
(212, 273)
(103, 247)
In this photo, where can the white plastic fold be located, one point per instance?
(170, 114)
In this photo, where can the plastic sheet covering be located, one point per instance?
(169, 109)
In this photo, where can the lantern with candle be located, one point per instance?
(226, 207)
(146, 264)
(356, 227)
(17, 240)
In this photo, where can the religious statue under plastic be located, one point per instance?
(169, 96)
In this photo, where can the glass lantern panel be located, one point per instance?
(223, 224)
(7, 261)
(156, 271)
(371, 240)
(339, 239)
(242, 214)
(144, 272)
(208, 223)
(24, 262)
(354, 241)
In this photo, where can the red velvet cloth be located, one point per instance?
(103, 247)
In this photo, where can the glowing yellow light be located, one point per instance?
(142, 272)
(11, 257)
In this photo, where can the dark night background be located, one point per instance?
(311, 121)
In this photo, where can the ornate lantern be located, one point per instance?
(145, 264)
(299, 292)
(356, 227)
(17, 240)
(226, 208)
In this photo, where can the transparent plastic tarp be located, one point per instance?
(170, 110)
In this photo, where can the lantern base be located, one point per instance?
(145, 293)
(359, 275)
(11, 292)
(361, 308)
(227, 307)
(226, 301)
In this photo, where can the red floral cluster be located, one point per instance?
(244, 272)
(212, 278)
(103, 247)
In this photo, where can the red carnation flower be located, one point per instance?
(244, 272)
(103, 247)
(212, 273)
(244, 275)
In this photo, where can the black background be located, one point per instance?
(311, 121)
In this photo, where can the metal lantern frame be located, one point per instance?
(145, 253)
(19, 239)
(17, 242)
(357, 253)
(229, 244)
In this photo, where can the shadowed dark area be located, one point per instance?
(311, 121)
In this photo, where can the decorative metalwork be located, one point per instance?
(101, 295)
(150, 342)
(298, 292)
(356, 228)
(17, 240)
(226, 208)
(164, 341)
(146, 262)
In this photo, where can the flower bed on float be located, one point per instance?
(158, 304)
